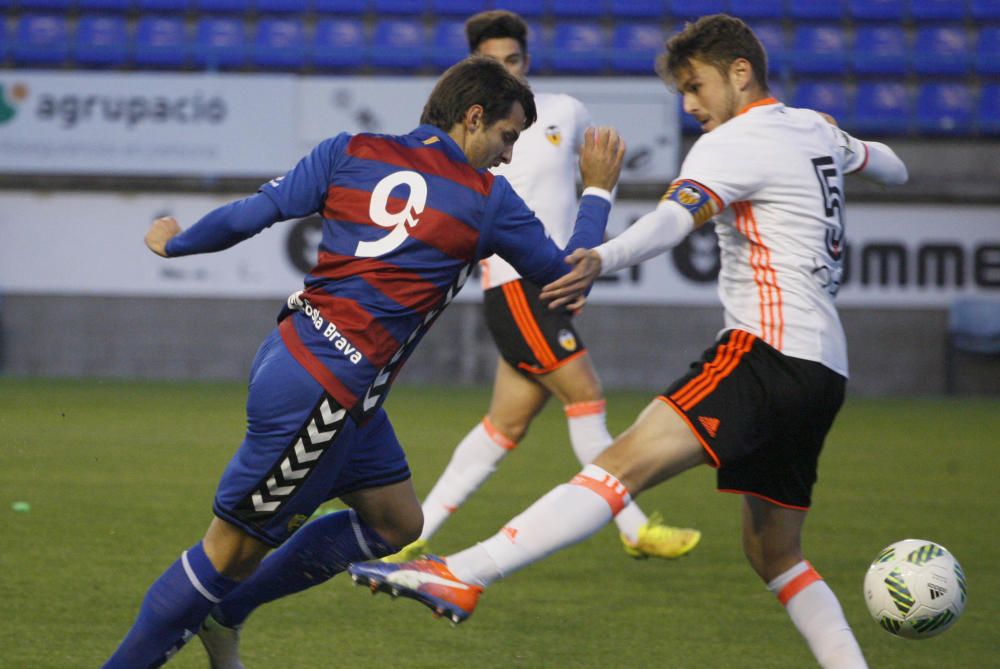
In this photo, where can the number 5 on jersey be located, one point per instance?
(398, 222)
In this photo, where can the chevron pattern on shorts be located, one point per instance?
(298, 460)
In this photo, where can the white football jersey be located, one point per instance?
(543, 172)
(777, 175)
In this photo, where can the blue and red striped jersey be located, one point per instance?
(405, 220)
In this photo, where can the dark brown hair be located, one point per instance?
(718, 40)
(477, 81)
(497, 23)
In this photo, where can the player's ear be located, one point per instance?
(473, 118)
(741, 72)
(527, 64)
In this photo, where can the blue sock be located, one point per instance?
(174, 607)
(322, 548)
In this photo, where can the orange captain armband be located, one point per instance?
(696, 198)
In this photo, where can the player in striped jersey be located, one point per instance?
(405, 220)
(759, 404)
(541, 353)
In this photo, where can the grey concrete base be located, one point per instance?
(892, 351)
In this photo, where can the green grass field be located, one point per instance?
(120, 478)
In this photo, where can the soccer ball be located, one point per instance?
(915, 589)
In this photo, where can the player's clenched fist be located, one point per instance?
(601, 157)
(162, 231)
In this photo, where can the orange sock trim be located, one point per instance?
(578, 409)
(798, 584)
(610, 488)
(498, 437)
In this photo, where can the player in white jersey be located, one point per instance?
(759, 404)
(541, 354)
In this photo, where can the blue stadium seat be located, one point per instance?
(398, 44)
(44, 5)
(3, 39)
(637, 9)
(101, 41)
(881, 108)
(399, 7)
(944, 109)
(635, 46)
(164, 5)
(825, 96)
(818, 49)
(816, 10)
(526, 8)
(449, 44)
(777, 89)
(687, 10)
(161, 41)
(772, 36)
(340, 7)
(988, 52)
(748, 10)
(282, 6)
(576, 8)
(941, 50)
(223, 6)
(339, 44)
(538, 45)
(463, 8)
(985, 10)
(104, 5)
(220, 42)
(973, 329)
(876, 10)
(937, 10)
(578, 48)
(880, 49)
(279, 43)
(40, 39)
(989, 110)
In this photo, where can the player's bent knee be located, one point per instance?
(769, 560)
(233, 552)
(398, 525)
(401, 530)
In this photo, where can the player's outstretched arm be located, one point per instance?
(219, 229)
(655, 232)
(520, 238)
(883, 166)
(879, 162)
(568, 291)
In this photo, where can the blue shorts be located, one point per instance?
(301, 449)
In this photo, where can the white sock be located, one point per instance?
(474, 460)
(566, 515)
(817, 615)
(588, 432)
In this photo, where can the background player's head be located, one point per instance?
(718, 65)
(483, 107)
(502, 36)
